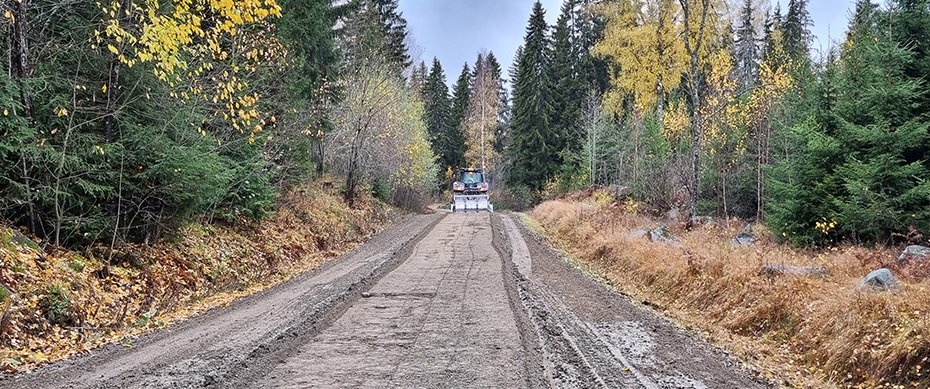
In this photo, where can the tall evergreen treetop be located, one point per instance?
(532, 148)
(747, 49)
(460, 97)
(438, 117)
(503, 101)
(796, 31)
(566, 92)
(376, 31)
(306, 28)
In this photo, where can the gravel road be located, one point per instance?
(438, 301)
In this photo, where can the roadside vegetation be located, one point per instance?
(158, 158)
(804, 330)
(57, 303)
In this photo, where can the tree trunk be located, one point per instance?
(695, 97)
(352, 175)
(109, 122)
(20, 55)
(113, 80)
(21, 71)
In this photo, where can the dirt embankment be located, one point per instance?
(67, 302)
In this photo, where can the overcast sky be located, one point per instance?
(455, 31)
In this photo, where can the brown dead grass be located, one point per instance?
(148, 287)
(802, 331)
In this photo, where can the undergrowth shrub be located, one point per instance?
(55, 304)
(513, 198)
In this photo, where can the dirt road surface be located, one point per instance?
(439, 301)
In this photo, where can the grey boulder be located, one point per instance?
(661, 234)
(914, 253)
(743, 239)
(879, 280)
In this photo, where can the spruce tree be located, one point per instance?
(417, 79)
(747, 49)
(885, 172)
(593, 72)
(796, 30)
(376, 31)
(306, 28)
(566, 93)
(459, 109)
(503, 101)
(533, 149)
(437, 115)
(911, 28)
(858, 169)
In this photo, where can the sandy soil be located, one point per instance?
(438, 301)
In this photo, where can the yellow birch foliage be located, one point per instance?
(718, 106)
(205, 48)
(643, 39)
(774, 82)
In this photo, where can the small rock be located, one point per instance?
(366, 294)
(743, 239)
(23, 240)
(673, 215)
(661, 234)
(914, 253)
(808, 271)
(879, 280)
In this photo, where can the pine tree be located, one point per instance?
(533, 149)
(747, 49)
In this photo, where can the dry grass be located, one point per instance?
(803, 331)
(147, 287)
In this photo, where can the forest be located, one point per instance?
(124, 120)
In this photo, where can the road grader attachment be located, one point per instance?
(470, 192)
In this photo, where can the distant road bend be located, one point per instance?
(438, 301)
